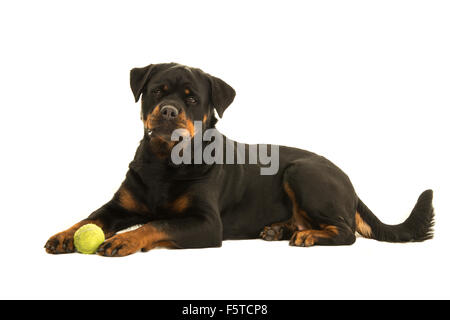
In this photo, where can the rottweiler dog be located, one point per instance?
(308, 201)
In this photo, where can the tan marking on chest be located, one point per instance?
(128, 201)
(181, 203)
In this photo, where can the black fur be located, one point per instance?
(309, 200)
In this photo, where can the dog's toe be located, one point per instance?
(60, 243)
(272, 233)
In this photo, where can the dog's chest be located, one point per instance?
(157, 189)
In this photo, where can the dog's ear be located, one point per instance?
(139, 78)
(222, 94)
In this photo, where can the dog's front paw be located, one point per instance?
(60, 243)
(119, 246)
(272, 233)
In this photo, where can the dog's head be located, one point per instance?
(174, 96)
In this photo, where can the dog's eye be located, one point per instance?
(157, 92)
(191, 100)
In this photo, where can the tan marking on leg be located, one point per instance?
(308, 238)
(161, 244)
(144, 238)
(300, 217)
(362, 227)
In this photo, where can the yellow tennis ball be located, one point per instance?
(88, 238)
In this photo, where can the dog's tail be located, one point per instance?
(417, 227)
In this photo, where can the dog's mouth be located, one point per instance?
(164, 129)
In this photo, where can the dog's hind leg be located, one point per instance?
(323, 204)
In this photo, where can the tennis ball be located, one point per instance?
(88, 238)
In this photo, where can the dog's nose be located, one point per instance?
(169, 112)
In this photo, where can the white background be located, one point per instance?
(364, 83)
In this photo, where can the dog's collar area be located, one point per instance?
(148, 134)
